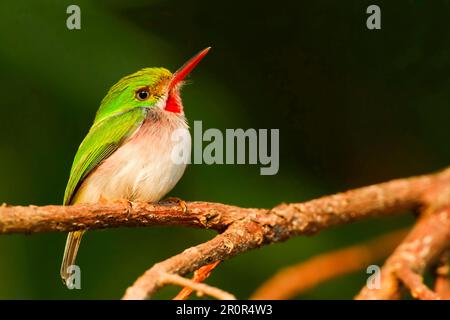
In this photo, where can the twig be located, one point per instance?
(293, 280)
(200, 288)
(200, 275)
(239, 237)
(427, 241)
(415, 284)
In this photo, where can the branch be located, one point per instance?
(293, 280)
(284, 221)
(291, 219)
(426, 243)
(242, 229)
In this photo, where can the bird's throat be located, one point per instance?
(173, 102)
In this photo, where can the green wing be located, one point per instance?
(101, 141)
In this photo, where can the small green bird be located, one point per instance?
(127, 153)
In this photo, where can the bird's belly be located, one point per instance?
(142, 169)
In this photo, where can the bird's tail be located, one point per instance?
(70, 253)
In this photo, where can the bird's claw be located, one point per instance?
(181, 203)
(124, 202)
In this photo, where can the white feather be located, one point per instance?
(142, 168)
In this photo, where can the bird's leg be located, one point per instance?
(126, 203)
(200, 275)
(181, 203)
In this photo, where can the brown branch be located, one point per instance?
(242, 229)
(284, 221)
(241, 236)
(414, 282)
(31, 219)
(293, 219)
(427, 241)
(293, 280)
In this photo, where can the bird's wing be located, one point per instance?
(101, 141)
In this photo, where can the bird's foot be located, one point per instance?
(181, 203)
(126, 203)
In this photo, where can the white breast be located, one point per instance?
(142, 168)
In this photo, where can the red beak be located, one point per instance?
(182, 73)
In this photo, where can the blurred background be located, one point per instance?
(354, 107)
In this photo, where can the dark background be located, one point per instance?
(353, 106)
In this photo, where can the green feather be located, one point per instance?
(102, 140)
(121, 96)
(119, 116)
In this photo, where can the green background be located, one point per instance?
(354, 107)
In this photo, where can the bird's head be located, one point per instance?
(149, 87)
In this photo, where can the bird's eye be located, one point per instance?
(142, 94)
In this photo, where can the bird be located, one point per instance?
(127, 153)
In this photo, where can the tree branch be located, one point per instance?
(284, 221)
(242, 229)
(382, 199)
(427, 242)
